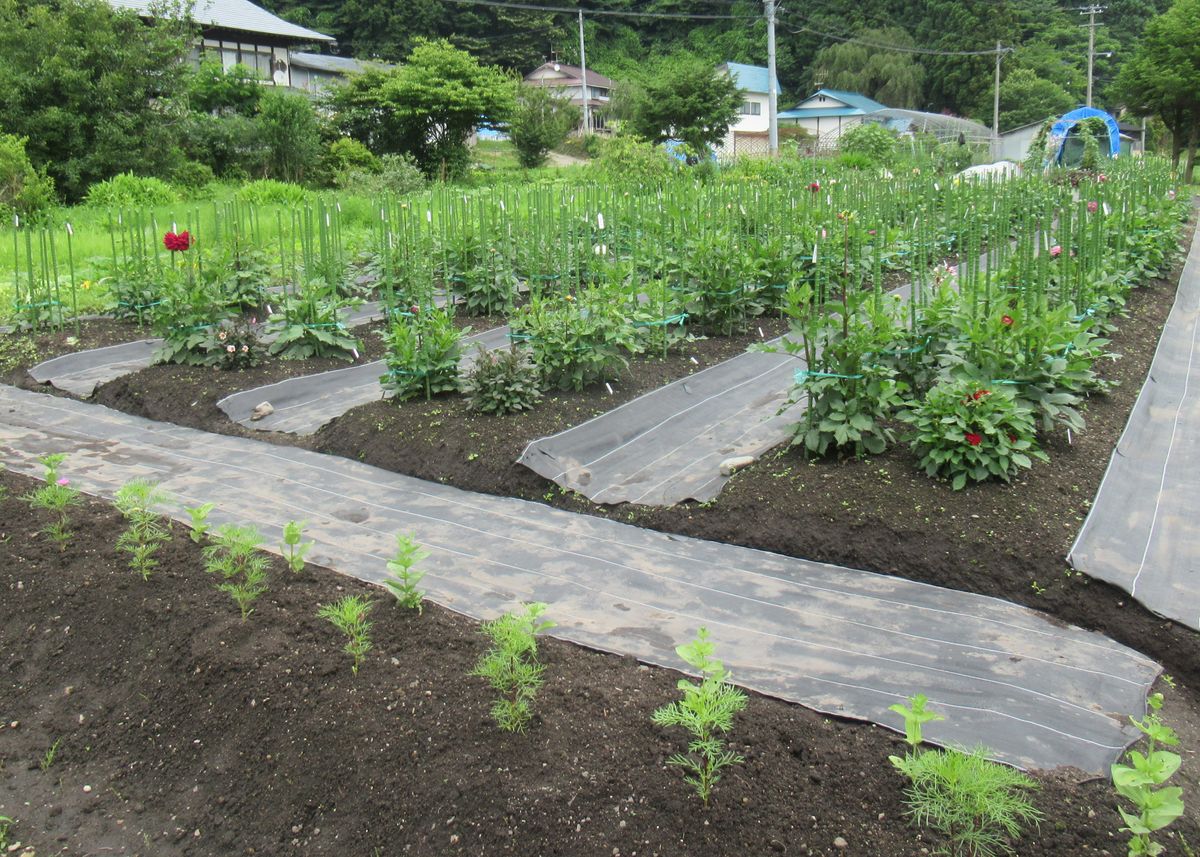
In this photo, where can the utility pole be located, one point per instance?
(1091, 12)
(587, 113)
(996, 102)
(772, 94)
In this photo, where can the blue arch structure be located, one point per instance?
(1061, 129)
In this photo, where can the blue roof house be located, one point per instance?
(827, 113)
(748, 135)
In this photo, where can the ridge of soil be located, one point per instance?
(182, 730)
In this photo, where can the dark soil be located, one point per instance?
(21, 350)
(179, 729)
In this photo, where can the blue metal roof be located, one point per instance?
(858, 105)
(1063, 127)
(819, 112)
(749, 78)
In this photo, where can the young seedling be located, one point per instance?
(511, 665)
(350, 617)
(402, 578)
(6, 824)
(200, 525)
(292, 549)
(1140, 782)
(979, 806)
(145, 534)
(706, 711)
(57, 497)
(236, 554)
(48, 756)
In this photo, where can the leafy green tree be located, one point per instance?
(289, 131)
(23, 189)
(684, 98)
(1026, 98)
(541, 121)
(1163, 77)
(213, 89)
(427, 107)
(892, 78)
(93, 90)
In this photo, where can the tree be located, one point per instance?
(288, 125)
(93, 90)
(23, 189)
(892, 78)
(1026, 98)
(427, 107)
(1163, 77)
(684, 98)
(542, 120)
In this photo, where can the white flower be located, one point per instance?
(231, 348)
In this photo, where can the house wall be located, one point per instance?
(827, 129)
(1014, 145)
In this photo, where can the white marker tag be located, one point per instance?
(608, 387)
(694, 360)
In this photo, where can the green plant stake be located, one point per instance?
(511, 665)
(402, 578)
(350, 617)
(706, 711)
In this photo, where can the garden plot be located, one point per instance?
(848, 643)
(1141, 533)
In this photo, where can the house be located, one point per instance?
(237, 31)
(749, 134)
(317, 72)
(567, 82)
(828, 113)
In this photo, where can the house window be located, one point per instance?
(751, 108)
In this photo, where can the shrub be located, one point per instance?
(288, 128)
(129, 191)
(397, 175)
(625, 159)
(193, 175)
(23, 189)
(511, 666)
(574, 343)
(271, 192)
(871, 140)
(423, 352)
(502, 382)
(346, 155)
(541, 121)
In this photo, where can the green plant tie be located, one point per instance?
(191, 328)
(802, 375)
(521, 337)
(36, 305)
(663, 322)
(140, 306)
(324, 324)
(407, 373)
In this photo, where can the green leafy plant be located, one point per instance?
(349, 615)
(236, 555)
(6, 824)
(979, 806)
(309, 325)
(1141, 783)
(402, 577)
(199, 520)
(706, 711)
(424, 347)
(292, 548)
(48, 757)
(511, 665)
(502, 382)
(574, 342)
(57, 497)
(145, 533)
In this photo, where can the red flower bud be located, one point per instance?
(973, 438)
(979, 394)
(1006, 320)
(814, 187)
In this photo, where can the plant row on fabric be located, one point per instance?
(998, 352)
(968, 804)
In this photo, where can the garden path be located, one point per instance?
(303, 404)
(849, 643)
(1143, 531)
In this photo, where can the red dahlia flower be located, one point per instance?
(814, 187)
(176, 243)
(974, 439)
(979, 394)
(1006, 320)
(1093, 207)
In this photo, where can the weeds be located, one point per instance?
(1140, 782)
(402, 579)
(292, 549)
(6, 824)
(200, 525)
(236, 555)
(48, 756)
(145, 534)
(350, 617)
(511, 665)
(706, 711)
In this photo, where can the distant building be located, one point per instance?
(237, 31)
(567, 82)
(749, 134)
(828, 113)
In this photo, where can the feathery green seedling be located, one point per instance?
(236, 554)
(402, 578)
(200, 525)
(145, 534)
(1141, 782)
(979, 806)
(511, 665)
(48, 757)
(57, 497)
(706, 711)
(350, 617)
(6, 824)
(292, 549)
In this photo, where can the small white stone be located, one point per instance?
(730, 465)
(840, 843)
(262, 409)
(87, 789)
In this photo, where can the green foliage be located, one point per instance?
(397, 175)
(628, 159)
(126, 190)
(349, 615)
(288, 128)
(271, 192)
(292, 547)
(1141, 783)
(706, 712)
(870, 140)
(236, 555)
(1026, 98)
(424, 348)
(893, 78)
(915, 715)
(192, 175)
(574, 342)
(145, 533)
(49, 756)
(540, 122)
(23, 190)
(511, 665)
(199, 521)
(684, 97)
(502, 381)
(57, 497)
(345, 156)
(950, 158)
(403, 578)
(963, 431)
(308, 326)
(213, 89)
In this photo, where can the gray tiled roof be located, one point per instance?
(234, 15)
(332, 64)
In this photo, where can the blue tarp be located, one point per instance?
(1061, 129)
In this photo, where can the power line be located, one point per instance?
(679, 16)
(897, 48)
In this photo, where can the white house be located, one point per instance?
(748, 135)
(567, 82)
(828, 113)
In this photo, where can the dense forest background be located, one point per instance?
(1047, 68)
